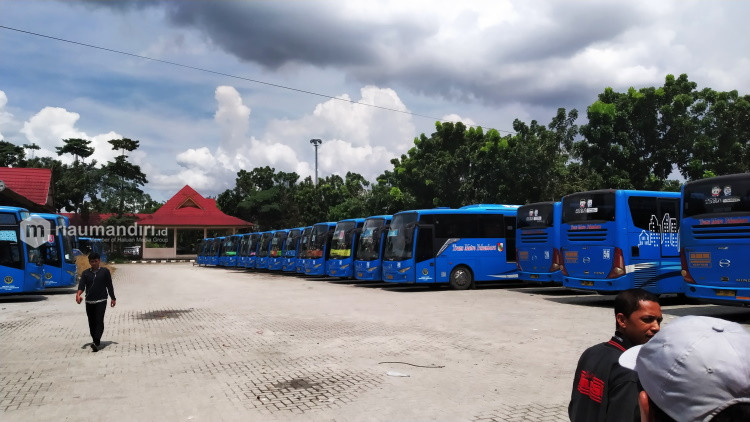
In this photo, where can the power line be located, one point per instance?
(215, 72)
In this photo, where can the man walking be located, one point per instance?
(97, 283)
(602, 389)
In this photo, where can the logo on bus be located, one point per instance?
(8, 279)
(725, 263)
(500, 247)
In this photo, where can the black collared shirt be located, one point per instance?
(97, 284)
(602, 389)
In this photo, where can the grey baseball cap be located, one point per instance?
(695, 367)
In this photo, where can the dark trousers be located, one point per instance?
(95, 312)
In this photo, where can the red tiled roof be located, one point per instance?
(180, 210)
(31, 183)
(186, 208)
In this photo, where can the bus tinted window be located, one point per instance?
(368, 248)
(589, 206)
(642, 210)
(540, 215)
(713, 197)
(10, 247)
(466, 225)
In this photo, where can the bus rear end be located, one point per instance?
(538, 243)
(614, 240)
(368, 258)
(715, 239)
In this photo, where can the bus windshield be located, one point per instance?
(368, 247)
(10, 247)
(318, 238)
(341, 245)
(588, 206)
(304, 243)
(67, 240)
(265, 240)
(291, 240)
(398, 245)
(539, 215)
(276, 243)
(51, 250)
(714, 197)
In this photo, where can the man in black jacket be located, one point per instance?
(97, 283)
(602, 389)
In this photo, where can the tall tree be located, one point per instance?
(11, 155)
(79, 148)
(122, 180)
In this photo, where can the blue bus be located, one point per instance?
(715, 239)
(291, 249)
(215, 251)
(247, 246)
(21, 265)
(538, 243)
(319, 248)
(89, 244)
(368, 258)
(614, 240)
(276, 250)
(303, 254)
(455, 246)
(57, 253)
(264, 247)
(200, 257)
(229, 248)
(343, 247)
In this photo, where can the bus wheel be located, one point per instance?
(461, 278)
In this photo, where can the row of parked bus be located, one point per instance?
(695, 243)
(33, 266)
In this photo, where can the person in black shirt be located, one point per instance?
(602, 389)
(97, 283)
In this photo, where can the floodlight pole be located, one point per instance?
(316, 143)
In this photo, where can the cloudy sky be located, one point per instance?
(481, 62)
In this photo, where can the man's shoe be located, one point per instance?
(94, 347)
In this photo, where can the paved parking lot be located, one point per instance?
(189, 343)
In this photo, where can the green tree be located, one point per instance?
(632, 139)
(79, 148)
(11, 155)
(122, 180)
(721, 135)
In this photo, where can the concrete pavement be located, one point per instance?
(189, 343)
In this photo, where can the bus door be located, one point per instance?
(669, 215)
(424, 257)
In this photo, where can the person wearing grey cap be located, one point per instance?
(695, 369)
(604, 391)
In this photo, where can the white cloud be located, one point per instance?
(50, 126)
(6, 118)
(456, 118)
(356, 138)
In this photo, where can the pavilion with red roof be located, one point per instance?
(186, 218)
(30, 188)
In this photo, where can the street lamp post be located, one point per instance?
(316, 143)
